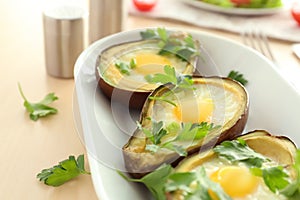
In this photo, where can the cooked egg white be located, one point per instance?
(148, 62)
(206, 103)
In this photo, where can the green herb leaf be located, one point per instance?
(149, 34)
(180, 181)
(168, 77)
(180, 82)
(40, 109)
(189, 41)
(63, 172)
(235, 75)
(156, 133)
(185, 53)
(163, 35)
(186, 132)
(185, 82)
(194, 131)
(123, 68)
(176, 148)
(274, 177)
(155, 181)
(201, 185)
(239, 151)
(292, 191)
(183, 48)
(162, 98)
(132, 63)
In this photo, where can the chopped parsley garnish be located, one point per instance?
(203, 186)
(292, 191)
(181, 81)
(41, 108)
(182, 132)
(238, 151)
(197, 185)
(235, 75)
(155, 181)
(164, 180)
(63, 172)
(184, 49)
(124, 67)
(169, 76)
(275, 177)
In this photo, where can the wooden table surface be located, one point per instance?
(28, 146)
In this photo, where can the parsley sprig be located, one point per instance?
(169, 76)
(292, 190)
(238, 151)
(184, 48)
(275, 177)
(164, 180)
(63, 172)
(39, 109)
(235, 75)
(155, 181)
(183, 132)
(203, 185)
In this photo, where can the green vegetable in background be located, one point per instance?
(63, 172)
(245, 3)
(39, 109)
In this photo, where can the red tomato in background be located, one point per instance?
(144, 5)
(295, 11)
(240, 2)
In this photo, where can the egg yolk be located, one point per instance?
(235, 181)
(194, 111)
(147, 63)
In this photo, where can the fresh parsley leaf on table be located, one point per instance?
(63, 172)
(39, 109)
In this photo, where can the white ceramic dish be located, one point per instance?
(296, 49)
(274, 106)
(232, 11)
